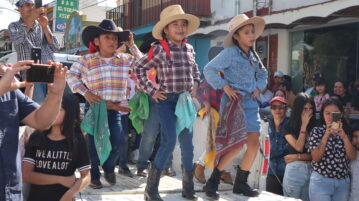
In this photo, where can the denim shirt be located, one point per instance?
(238, 71)
(278, 147)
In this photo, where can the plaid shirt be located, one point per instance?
(175, 73)
(107, 80)
(24, 39)
(207, 93)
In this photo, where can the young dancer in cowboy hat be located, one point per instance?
(102, 75)
(177, 72)
(244, 78)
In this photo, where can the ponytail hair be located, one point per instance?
(257, 57)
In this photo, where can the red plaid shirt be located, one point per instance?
(175, 73)
(207, 93)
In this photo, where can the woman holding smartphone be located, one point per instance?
(331, 152)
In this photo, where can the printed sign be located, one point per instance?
(63, 10)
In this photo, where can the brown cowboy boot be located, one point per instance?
(199, 173)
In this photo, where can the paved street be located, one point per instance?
(170, 189)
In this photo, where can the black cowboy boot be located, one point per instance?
(211, 187)
(241, 186)
(188, 185)
(153, 180)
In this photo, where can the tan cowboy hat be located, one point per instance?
(170, 14)
(240, 21)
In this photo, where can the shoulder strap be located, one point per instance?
(164, 45)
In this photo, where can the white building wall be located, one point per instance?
(223, 9)
(288, 4)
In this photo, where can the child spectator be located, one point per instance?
(102, 76)
(177, 73)
(321, 97)
(331, 150)
(53, 155)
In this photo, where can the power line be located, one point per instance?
(95, 4)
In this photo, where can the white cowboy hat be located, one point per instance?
(170, 14)
(240, 21)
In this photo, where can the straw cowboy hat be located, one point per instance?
(106, 26)
(240, 21)
(170, 14)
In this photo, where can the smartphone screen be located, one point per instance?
(38, 3)
(36, 55)
(40, 73)
(336, 116)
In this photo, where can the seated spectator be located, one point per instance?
(264, 98)
(354, 167)
(311, 91)
(298, 169)
(287, 87)
(278, 145)
(280, 93)
(63, 150)
(278, 78)
(331, 150)
(340, 90)
(321, 97)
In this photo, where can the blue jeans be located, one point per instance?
(166, 109)
(151, 130)
(123, 157)
(296, 180)
(118, 143)
(328, 189)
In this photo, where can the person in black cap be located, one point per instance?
(102, 76)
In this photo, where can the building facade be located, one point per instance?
(300, 39)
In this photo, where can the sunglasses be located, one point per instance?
(274, 107)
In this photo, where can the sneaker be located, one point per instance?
(169, 172)
(125, 171)
(141, 172)
(96, 184)
(110, 178)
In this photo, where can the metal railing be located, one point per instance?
(137, 13)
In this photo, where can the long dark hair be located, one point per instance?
(70, 127)
(338, 103)
(295, 120)
(250, 49)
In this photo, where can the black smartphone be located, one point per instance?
(36, 54)
(336, 116)
(38, 3)
(40, 73)
(125, 36)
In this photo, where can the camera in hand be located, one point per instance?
(42, 73)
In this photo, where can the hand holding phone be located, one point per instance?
(36, 55)
(40, 73)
